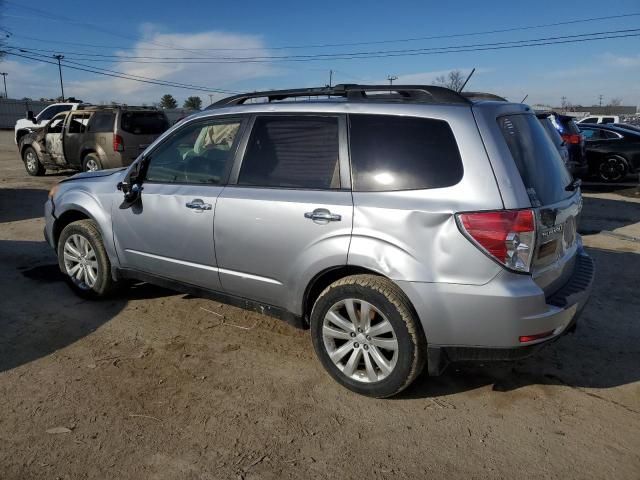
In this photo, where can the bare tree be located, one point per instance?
(615, 102)
(453, 80)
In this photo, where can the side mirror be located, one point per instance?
(132, 193)
(30, 116)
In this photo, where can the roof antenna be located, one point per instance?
(465, 82)
(525, 97)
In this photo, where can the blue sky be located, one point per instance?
(160, 29)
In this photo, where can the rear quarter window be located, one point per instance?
(390, 153)
(540, 165)
(144, 123)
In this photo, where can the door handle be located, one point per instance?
(197, 204)
(323, 215)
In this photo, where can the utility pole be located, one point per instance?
(211, 99)
(391, 78)
(4, 77)
(600, 96)
(60, 57)
(330, 78)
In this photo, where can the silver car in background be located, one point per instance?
(404, 227)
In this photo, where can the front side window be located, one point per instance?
(402, 153)
(292, 152)
(590, 120)
(198, 153)
(55, 126)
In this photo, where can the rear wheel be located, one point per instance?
(91, 163)
(367, 337)
(83, 259)
(613, 169)
(32, 162)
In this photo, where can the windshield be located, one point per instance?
(144, 123)
(537, 159)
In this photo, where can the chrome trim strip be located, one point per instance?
(206, 267)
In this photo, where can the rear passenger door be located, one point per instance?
(287, 211)
(74, 135)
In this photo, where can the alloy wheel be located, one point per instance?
(613, 169)
(91, 165)
(31, 161)
(80, 261)
(360, 340)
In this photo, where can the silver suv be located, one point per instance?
(405, 227)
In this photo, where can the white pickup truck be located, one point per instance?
(31, 123)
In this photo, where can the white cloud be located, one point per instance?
(631, 61)
(41, 80)
(30, 80)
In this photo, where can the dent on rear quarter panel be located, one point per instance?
(416, 245)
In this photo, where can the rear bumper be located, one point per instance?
(485, 322)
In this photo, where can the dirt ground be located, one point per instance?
(158, 385)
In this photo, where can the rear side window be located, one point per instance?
(538, 161)
(144, 123)
(608, 120)
(102, 122)
(402, 153)
(292, 152)
(78, 122)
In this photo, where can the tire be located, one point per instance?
(613, 168)
(370, 376)
(91, 163)
(83, 238)
(32, 163)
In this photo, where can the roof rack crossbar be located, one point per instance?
(354, 92)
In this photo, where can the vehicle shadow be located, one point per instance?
(602, 353)
(21, 203)
(600, 214)
(39, 312)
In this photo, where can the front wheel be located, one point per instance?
(367, 336)
(613, 169)
(83, 259)
(32, 162)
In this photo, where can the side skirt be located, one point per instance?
(263, 308)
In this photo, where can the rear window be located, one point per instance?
(537, 159)
(144, 123)
(402, 153)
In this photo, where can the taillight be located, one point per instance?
(118, 143)
(508, 236)
(572, 138)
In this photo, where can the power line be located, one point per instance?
(126, 76)
(325, 45)
(605, 35)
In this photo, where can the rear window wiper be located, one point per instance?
(574, 185)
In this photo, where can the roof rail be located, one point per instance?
(355, 93)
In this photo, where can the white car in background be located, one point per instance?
(31, 123)
(600, 119)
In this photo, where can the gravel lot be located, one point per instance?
(154, 384)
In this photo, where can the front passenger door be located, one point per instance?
(169, 232)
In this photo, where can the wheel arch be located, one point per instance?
(66, 218)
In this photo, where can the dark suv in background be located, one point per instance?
(573, 139)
